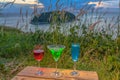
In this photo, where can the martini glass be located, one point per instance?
(75, 51)
(56, 51)
(38, 55)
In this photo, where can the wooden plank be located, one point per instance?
(28, 78)
(29, 72)
(33, 78)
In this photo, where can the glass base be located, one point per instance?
(74, 73)
(39, 73)
(56, 74)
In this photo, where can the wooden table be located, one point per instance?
(29, 74)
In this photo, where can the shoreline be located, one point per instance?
(22, 22)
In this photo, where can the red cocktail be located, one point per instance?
(38, 54)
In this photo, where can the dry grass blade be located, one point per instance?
(99, 2)
(57, 6)
(16, 69)
(20, 11)
(35, 10)
(11, 63)
(49, 7)
(110, 24)
(9, 3)
(41, 10)
(5, 22)
(119, 3)
(89, 51)
(26, 13)
(82, 12)
(26, 26)
(91, 27)
(17, 24)
(21, 14)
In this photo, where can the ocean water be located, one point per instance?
(19, 15)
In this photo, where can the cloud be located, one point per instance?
(106, 4)
(27, 5)
(21, 1)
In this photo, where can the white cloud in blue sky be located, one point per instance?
(29, 4)
(106, 4)
(22, 2)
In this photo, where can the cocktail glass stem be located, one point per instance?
(56, 72)
(56, 67)
(39, 72)
(74, 72)
(74, 67)
(39, 64)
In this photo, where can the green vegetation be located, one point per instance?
(98, 51)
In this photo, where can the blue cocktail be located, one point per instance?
(75, 51)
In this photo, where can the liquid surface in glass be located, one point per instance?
(56, 51)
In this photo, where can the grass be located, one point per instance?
(98, 53)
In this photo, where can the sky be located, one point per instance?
(111, 5)
(104, 3)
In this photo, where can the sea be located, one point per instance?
(107, 12)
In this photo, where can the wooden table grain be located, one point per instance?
(28, 73)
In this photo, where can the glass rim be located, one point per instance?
(75, 43)
(56, 45)
(38, 50)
